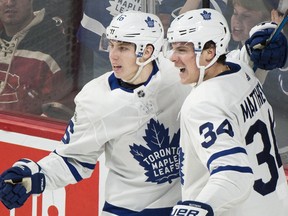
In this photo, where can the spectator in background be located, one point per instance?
(34, 59)
(278, 12)
(219, 5)
(247, 14)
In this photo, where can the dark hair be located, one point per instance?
(211, 44)
(265, 6)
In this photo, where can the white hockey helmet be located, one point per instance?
(199, 27)
(139, 28)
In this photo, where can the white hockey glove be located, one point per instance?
(192, 208)
(19, 182)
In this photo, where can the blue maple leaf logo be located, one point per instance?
(206, 15)
(160, 159)
(150, 22)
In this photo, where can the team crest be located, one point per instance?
(206, 15)
(160, 159)
(150, 22)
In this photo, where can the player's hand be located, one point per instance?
(192, 208)
(19, 182)
(268, 57)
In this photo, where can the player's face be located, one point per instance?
(184, 58)
(16, 13)
(242, 21)
(123, 59)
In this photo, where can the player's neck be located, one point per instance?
(144, 75)
(215, 70)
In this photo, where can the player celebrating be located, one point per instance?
(229, 162)
(131, 114)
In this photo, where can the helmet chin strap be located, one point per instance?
(203, 68)
(141, 66)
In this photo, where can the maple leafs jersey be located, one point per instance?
(228, 155)
(139, 132)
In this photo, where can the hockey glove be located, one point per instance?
(268, 57)
(188, 208)
(19, 182)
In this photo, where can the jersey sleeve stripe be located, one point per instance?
(88, 166)
(235, 150)
(72, 168)
(232, 168)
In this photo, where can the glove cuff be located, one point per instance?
(192, 208)
(41, 183)
(37, 182)
(33, 166)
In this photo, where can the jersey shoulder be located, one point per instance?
(96, 97)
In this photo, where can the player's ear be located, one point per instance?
(148, 51)
(210, 53)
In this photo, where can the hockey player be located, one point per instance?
(229, 162)
(131, 115)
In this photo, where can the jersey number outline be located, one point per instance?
(259, 127)
(265, 155)
(69, 128)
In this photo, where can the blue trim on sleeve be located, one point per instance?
(87, 165)
(73, 170)
(235, 150)
(232, 168)
(217, 155)
(120, 211)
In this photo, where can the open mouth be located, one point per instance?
(116, 68)
(182, 70)
(237, 30)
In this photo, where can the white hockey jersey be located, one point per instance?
(228, 155)
(139, 133)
